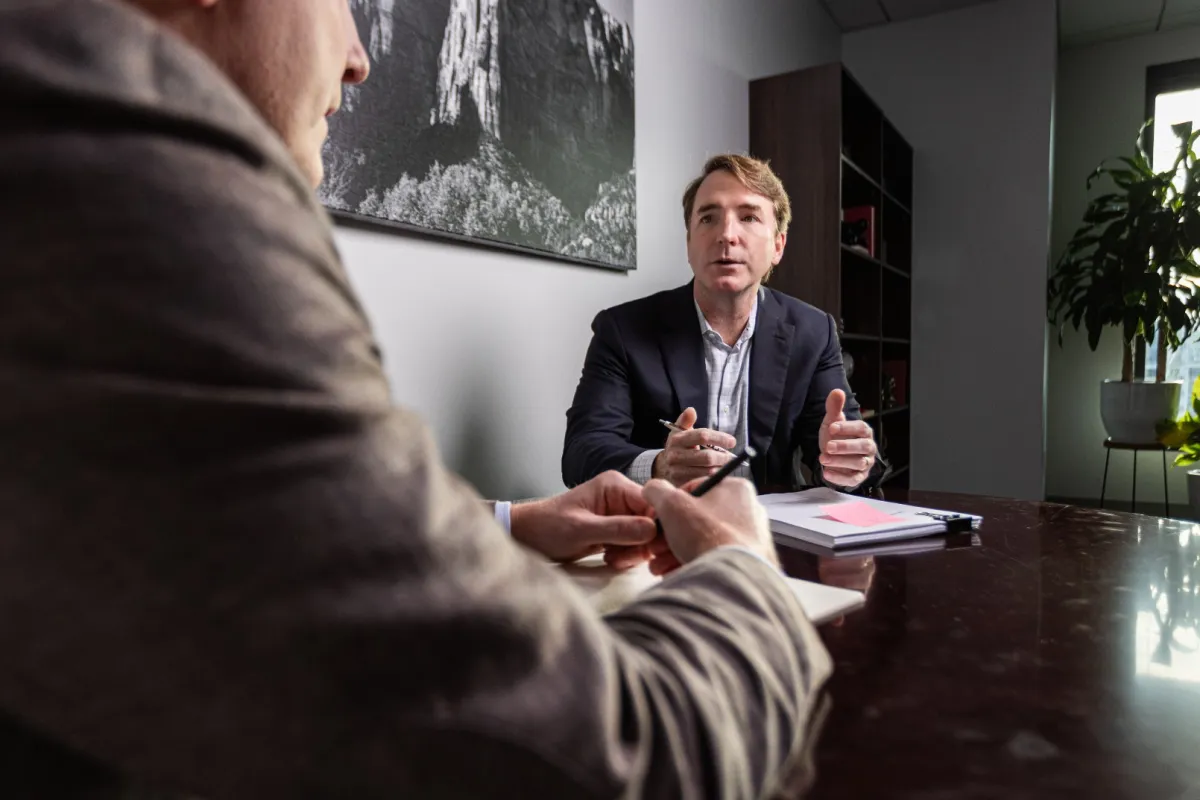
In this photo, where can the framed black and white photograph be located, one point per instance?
(507, 123)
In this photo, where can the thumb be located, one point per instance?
(687, 419)
(834, 405)
(673, 506)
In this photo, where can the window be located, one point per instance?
(1172, 96)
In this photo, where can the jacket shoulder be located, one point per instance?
(645, 315)
(798, 311)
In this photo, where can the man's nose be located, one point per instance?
(358, 65)
(729, 229)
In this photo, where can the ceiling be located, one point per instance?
(1081, 22)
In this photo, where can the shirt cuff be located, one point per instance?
(504, 515)
(642, 468)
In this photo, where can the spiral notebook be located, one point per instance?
(834, 520)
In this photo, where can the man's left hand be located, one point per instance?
(847, 446)
(606, 511)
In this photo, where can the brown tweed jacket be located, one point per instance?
(229, 566)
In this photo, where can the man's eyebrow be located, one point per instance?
(742, 207)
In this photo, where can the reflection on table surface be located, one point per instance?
(1058, 658)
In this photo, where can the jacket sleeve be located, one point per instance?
(233, 568)
(600, 420)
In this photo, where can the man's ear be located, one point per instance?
(780, 241)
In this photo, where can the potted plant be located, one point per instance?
(1130, 266)
(1183, 434)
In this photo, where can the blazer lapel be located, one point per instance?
(683, 353)
(769, 357)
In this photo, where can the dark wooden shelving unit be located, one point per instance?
(835, 150)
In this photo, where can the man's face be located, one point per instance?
(290, 58)
(732, 239)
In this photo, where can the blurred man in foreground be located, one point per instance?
(231, 567)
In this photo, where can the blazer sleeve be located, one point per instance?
(829, 375)
(600, 419)
(232, 568)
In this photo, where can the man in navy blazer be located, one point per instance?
(748, 363)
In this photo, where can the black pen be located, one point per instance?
(747, 453)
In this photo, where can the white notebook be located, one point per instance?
(610, 589)
(812, 516)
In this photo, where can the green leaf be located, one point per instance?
(1176, 434)
(1187, 458)
(1139, 165)
(1098, 215)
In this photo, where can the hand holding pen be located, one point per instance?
(707, 514)
(702, 515)
(691, 452)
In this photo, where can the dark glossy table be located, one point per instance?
(1058, 658)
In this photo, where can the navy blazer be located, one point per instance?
(646, 363)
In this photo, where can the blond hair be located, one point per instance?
(754, 174)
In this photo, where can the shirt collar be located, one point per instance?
(705, 328)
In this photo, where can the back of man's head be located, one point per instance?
(288, 57)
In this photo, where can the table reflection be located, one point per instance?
(1059, 658)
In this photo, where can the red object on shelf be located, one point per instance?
(856, 213)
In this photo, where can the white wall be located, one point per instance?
(488, 345)
(1101, 104)
(973, 92)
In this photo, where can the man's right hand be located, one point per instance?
(683, 459)
(729, 514)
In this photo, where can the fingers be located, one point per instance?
(845, 479)
(687, 419)
(696, 437)
(673, 506)
(658, 547)
(657, 552)
(622, 530)
(695, 459)
(835, 405)
(617, 494)
(851, 447)
(853, 429)
(627, 557)
(664, 564)
(847, 463)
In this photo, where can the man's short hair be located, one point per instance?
(755, 175)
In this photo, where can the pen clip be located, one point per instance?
(955, 523)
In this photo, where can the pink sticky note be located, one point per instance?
(862, 515)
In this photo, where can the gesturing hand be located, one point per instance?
(684, 458)
(847, 447)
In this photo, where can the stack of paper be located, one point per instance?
(830, 519)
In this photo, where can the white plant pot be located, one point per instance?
(1132, 411)
(1193, 484)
